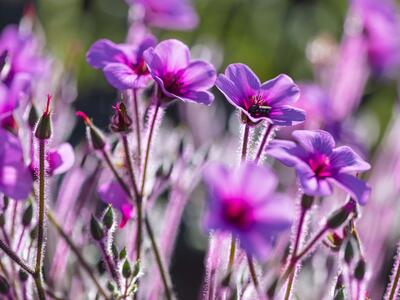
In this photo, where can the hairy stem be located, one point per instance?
(246, 132)
(261, 147)
(110, 264)
(138, 127)
(14, 256)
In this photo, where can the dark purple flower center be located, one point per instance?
(257, 108)
(320, 164)
(237, 213)
(140, 68)
(173, 83)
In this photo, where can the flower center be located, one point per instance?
(237, 213)
(320, 164)
(173, 83)
(140, 68)
(258, 107)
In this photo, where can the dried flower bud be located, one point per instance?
(96, 229)
(95, 136)
(360, 270)
(340, 216)
(27, 216)
(23, 276)
(4, 286)
(108, 218)
(126, 269)
(43, 127)
(120, 121)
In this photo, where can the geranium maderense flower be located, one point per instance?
(380, 28)
(122, 64)
(244, 203)
(168, 14)
(319, 163)
(269, 101)
(15, 178)
(177, 76)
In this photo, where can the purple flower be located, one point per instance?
(244, 203)
(111, 192)
(380, 28)
(60, 159)
(269, 101)
(168, 14)
(15, 178)
(177, 76)
(122, 64)
(319, 163)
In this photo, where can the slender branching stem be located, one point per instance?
(252, 270)
(41, 226)
(246, 132)
(138, 127)
(14, 256)
(110, 264)
(264, 140)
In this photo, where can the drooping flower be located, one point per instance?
(177, 76)
(318, 164)
(167, 14)
(244, 203)
(122, 64)
(15, 178)
(267, 101)
(111, 192)
(380, 29)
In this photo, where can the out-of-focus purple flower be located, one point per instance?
(319, 163)
(19, 63)
(167, 14)
(15, 178)
(177, 76)
(122, 64)
(269, 100)
(111, 192)
(244, 203)
(380, 28)
(60, 159)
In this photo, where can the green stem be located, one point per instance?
(252, 270)
(14, 256)
(232, 252)
(41, 229)
(137, 197)
(165, 279)
(138, 129)
(395, 282)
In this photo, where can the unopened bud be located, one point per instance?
(340, 216)
(114, 251)
(27, 215)
(23, 276)
(136, 268)
(360, 269)
(95, 136)
(108, 218)
(348, 252)
(339, 293)
(122, 254)
(33, 117)
(126, 269)
(4, 286)
(2, 220)
(306, 202)
(96, 229)
(120, 121)
(33, 233)
(43, 127)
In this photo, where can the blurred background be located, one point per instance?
(271, 36)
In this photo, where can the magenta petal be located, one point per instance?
(120, 76)
(61, 159)
(312, 185)
(168, 56)
(280, 90)
(286, 116)
(287, 152)
(198, 75)
(346, 160)
(232, 93)
(111, 192)
(357, 188)
(315, 141)
(202, 97)
(244, 78)
(15, 180)
(104, 52)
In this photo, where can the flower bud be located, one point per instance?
(96, 229)
(340, 216)
(126, 269)
(32, 117)
(360, 270)
(111, 286)
(348, 252)
(101, 267)
(27, 215)
(34, 232)
(43, 126)
(114, 251)
(306, 202)
(339, 289)
(4, 286)
(108, 218)
(136, 268)
(2, 220)
(120, 121)
(95, 136)
(23, 276)
(122, 254)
